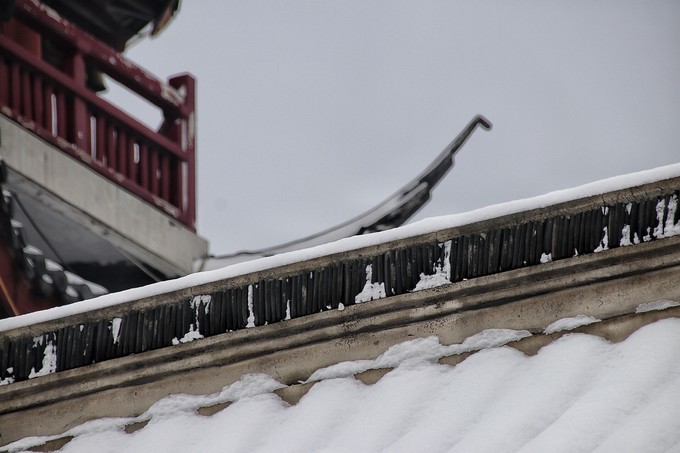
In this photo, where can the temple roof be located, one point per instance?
(116, 21)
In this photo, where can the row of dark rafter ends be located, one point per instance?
(315, 290)
(45, 277)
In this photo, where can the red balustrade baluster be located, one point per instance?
(62, 117)
(155, 173)
(38, 101)
(26, 98)
(144, 166)
(133, 160)
(165, 177)
(101, 138)
(50, 110)
(177, 184)
(81, 119)
(111, 144)
(4, 82)
(122, 152)
(15, 87)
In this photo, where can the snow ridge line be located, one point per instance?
(626, 187)
(344, 282)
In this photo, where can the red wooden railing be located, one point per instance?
(53, 101)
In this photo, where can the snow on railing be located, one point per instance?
(48, 94)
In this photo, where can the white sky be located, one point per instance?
(578, 394)
(312, 111)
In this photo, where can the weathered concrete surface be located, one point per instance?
(614, 329)
(370, 377)
(604, 285)
(207, 411)
(292, 394)
(101, 205)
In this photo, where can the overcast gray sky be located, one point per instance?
(312, 111)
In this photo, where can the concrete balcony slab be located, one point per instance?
(68, 188)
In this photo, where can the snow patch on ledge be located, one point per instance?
(251, 312)
(115, 329)
(9, 379)
(49, 361)
(371, 291)
(422, 349)
(422, 227)
(656, 305)
(570, 323)
(604, 242)
(442, 273)
(194, 330)
(191, 335)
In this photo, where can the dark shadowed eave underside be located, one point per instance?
(28, 280)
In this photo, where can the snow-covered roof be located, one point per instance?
(580, 393)
(593, 292)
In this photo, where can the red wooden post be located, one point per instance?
(186, 84)
(81, 120)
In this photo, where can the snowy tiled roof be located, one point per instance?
(580, 393)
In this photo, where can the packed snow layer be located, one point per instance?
(356, 242)
(570, 323)
(657, 305)
(420, 349)
(578, 394)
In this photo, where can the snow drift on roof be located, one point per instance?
(578, 394)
